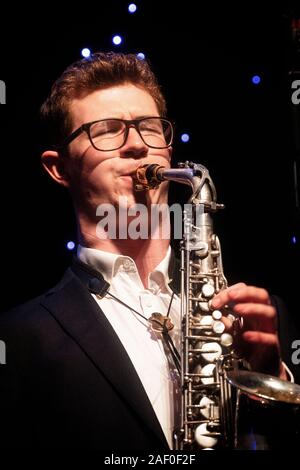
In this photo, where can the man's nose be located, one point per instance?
(134, 145)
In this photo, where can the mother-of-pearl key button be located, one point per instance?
(218, 327)
(208, 290)
(217, 314)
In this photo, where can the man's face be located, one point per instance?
(97, 177)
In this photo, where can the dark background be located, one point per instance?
(205, 57)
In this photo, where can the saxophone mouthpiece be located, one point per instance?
(152, 175)
(148, 177)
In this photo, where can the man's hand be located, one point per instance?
(257, 341)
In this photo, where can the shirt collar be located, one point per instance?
(109, 264)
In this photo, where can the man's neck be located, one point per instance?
(146, 253)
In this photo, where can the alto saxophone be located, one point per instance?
(212, 374)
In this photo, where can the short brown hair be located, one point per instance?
(99, 71)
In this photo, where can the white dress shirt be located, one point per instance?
(145, 348)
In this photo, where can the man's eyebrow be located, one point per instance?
(142, 116)
(146, 116)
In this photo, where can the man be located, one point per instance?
(83, 367)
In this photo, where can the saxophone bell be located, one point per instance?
(266, 387)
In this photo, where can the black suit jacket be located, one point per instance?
(68, 381)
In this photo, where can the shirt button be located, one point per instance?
(127, 264)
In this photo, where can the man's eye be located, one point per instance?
(96, 132)
(152, 127)
(105, 129)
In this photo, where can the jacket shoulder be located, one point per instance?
(29, 310)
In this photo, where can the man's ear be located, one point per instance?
(54, 164)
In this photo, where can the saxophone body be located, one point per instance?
(207, 414)
(212, 374)
(206, 349)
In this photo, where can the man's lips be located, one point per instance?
(126, 177)
(131, 170)
(129, 167)
(131, 174)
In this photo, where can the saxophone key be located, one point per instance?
(204, 438)
(204, 306)
(226, 340)
(218, 327)
(211, 351)
(209, 409)
(208, 290)
(207, 374)
(217, 314)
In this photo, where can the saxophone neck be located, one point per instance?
(192, 174)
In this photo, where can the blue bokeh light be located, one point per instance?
(256, 79)
(185, 137)
(132, 8)
(294, 240)
(141, 56)
(85, 52)
(117, 40)
(70, 245)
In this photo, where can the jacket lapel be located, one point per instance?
(77, 312)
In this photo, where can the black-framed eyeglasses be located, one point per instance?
(111, 134)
